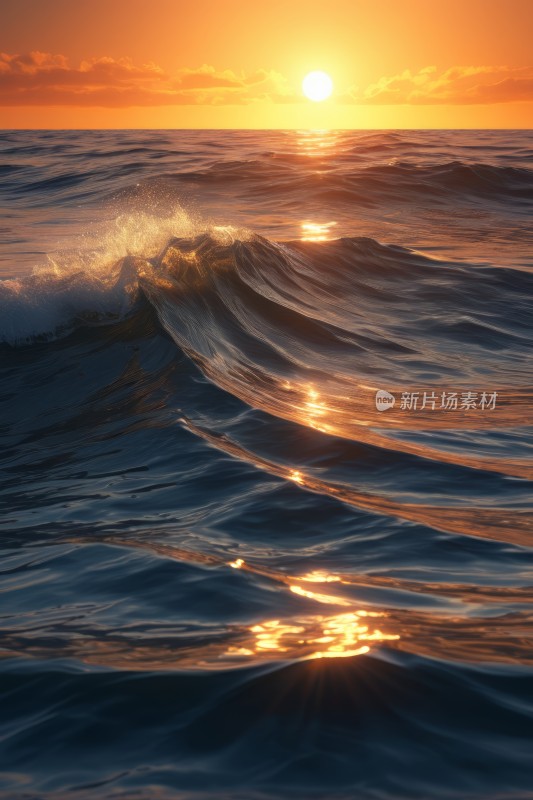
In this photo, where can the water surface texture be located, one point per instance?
(224, 572)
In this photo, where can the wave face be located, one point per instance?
(225, 571)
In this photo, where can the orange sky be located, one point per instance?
(240, 63)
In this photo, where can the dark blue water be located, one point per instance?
(225, 573)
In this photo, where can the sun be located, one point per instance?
(317, 86)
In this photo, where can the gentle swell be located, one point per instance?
(398, 179)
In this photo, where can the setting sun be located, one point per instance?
(317, 86)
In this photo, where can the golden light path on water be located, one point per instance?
(313, 144)
(300, 637)
(318, 636)
(461, 630)
(317, 231)
(338, 637)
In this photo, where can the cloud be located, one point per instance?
(454, 86)
(43, 79)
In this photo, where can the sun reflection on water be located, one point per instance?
(318, 143)
(296, 476)
(316, 231)
(337, 636)
(320, 598)
(319, 577)
(314, 410)
(341, 635)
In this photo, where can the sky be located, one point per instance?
(240, 63)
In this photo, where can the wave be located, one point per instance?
(480, 179)
(397, 179)
(310, 331)
(282, 732)
(94, 280)
(210, 533)
(49, 305)
(328, 288)
(249, 308)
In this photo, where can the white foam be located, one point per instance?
(96, 277)
(49, 305)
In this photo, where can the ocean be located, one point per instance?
(266, 465)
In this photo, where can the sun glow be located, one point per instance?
(317, 86)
